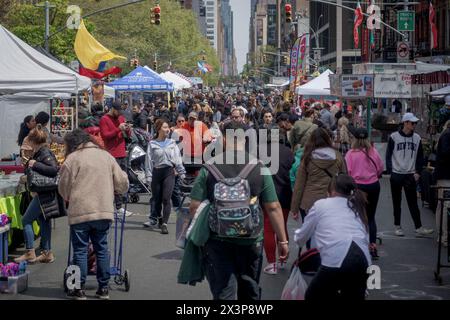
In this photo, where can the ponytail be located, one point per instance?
(357, 202)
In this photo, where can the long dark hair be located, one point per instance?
(158, 125)
(318, 139)
(346, 186)
(24, 130)
(76, 138)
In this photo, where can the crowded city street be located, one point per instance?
(225, 150)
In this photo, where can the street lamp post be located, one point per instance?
(47, 6)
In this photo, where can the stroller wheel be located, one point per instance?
(65, 278)
(134, 198)
(126, 280)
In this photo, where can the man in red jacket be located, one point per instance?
(113, 129)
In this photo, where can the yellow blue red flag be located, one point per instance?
(89, 51)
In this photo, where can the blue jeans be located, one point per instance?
(97, 231)
(33, 213)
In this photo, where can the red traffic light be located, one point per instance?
(157, 9)
(288, 10)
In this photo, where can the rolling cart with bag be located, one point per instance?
(442, 200)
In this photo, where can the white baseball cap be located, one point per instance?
(409, 117)
(447, 100)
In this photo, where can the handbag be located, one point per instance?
(309, 261)
(39, 183)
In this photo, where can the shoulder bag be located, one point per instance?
(39, 183)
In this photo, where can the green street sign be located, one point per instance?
(405, 20)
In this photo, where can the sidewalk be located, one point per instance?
(406, 263)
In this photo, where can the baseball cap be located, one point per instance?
(409, 117)
(361, 133)
(116, 106)
(447, 100)
(193, 114)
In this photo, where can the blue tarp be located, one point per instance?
(142, 79)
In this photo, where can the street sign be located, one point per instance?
(402, 52)
(406, 20)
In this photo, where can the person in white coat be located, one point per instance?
(339, 227)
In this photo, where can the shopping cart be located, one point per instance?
(119, 275)
(439, 265)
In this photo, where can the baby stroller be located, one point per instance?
(136, 165)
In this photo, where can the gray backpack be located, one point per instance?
(232, 214)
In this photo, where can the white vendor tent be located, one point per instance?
(13, 109)
(319, 86)
(109, 92)
(24, 69)
(178, 82)
(441, 92)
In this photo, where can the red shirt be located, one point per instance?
(112, 136)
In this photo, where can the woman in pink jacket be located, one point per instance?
(364, 164)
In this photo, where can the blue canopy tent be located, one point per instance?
(142, 79)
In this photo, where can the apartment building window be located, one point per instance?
(210, 32)
(210, 37)
(210, 3)
(210, 14)
(210, 20)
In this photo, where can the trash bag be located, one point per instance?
(295, 287)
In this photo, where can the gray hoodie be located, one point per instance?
(167, 156)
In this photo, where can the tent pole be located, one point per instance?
(76, 111)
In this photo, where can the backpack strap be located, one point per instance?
(247, 170)
(214, 171)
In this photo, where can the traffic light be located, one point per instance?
(155, 65)
(264, 58)
(156, 15)
(288, 10)
(286, 60)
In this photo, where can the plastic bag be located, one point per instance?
(295, 287)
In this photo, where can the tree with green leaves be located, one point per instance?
(177, 41)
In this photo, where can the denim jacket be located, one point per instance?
(158, 157)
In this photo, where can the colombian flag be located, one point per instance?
(91, 53)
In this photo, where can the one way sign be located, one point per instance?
(405, 20)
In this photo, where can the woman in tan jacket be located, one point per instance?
(319, 164)
(90, 177)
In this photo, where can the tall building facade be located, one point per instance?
(419, 40)
(216, 19)
(332, 29)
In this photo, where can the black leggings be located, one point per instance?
(373, 194)
(163, 181)
(348, 282)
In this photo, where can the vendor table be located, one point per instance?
(10, 169)
(11, 192)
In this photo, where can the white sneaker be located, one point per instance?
(399, 231)
(127, 213)
(271, 268)
(423, 231)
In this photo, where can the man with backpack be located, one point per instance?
(233, 253)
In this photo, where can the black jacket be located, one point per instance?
(443, 156)
(281, 179)
(51, 202)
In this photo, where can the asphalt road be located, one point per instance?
(153, 261)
